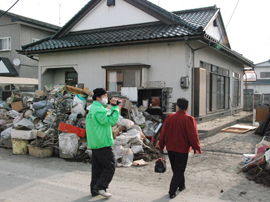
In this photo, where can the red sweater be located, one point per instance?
(179, 133)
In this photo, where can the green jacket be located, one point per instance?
(98, 125)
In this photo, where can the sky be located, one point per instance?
(246, 21)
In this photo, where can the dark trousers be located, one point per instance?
(103, 168)
(178, 163)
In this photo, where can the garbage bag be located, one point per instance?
(123, 156)
(13, 113)
(79, 109)
(6, 134)
(39, 105)
(148, 130)
(79, 100)
(125, 122)
(137, 149)
(40, 113)
(160, 165)
(24, 123)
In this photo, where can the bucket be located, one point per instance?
(145, 103)
(19, 146)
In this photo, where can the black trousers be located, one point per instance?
(178, 163)
(103, 168)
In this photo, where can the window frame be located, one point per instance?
(214, 72)
(8, 43)
(122, 72)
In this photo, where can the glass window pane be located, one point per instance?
(112, 83)
(132, 78)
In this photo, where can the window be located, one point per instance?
(217, 87)
(71, 78)
(5, 43)
(265, 74)
(125, 75)
(123, 78)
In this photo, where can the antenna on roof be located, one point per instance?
(59, 14)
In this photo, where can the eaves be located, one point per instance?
(137, 42)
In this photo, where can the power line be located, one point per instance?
(9, 9)
(233, 13)
(219, 46)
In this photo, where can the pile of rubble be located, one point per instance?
(257, 166)
(52, 123)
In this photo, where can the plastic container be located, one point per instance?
(19, 146)
(145, 103)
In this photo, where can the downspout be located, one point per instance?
(30, 56)
(192, 71)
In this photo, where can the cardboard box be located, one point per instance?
(17, 106)
(39, 93)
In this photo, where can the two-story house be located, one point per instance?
(15, 31)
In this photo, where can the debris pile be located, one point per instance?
(257, 165)
(52, 123)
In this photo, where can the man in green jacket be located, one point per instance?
(100, 139)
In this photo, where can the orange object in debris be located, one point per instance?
(67, 128)
(77, 90)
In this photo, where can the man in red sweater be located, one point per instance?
(179, 133)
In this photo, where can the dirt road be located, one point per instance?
(211, 176)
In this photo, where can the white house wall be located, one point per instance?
(216, 58)
(214, 31)
(169, 62)
(260, 88)
(164, 65)
(121, 14)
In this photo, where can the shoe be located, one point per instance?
(104, 193)
(172, 195)
(182, 189)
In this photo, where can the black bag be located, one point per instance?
(160, 166)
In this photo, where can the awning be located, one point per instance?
(6, 68)
(17, 80)
(250, 76)
(126, 65)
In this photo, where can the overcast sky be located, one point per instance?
(248, 30)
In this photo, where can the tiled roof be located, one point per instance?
(199, 17)
(172, 26)
(118, 35)
(263, 64)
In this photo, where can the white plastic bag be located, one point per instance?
(6, 134)
(126, 123)
(137, 149)
(77, 101)
(13, 113)
(78, 110)
(125, 155)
